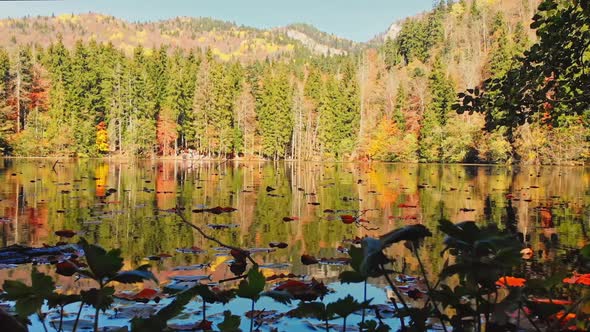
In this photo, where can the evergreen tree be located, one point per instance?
(274, 111)
(23, 77)
(436, 114)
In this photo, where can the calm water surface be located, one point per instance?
(36, 201)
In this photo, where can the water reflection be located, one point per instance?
(124, 204)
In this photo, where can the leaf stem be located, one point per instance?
(204, 310)
(430, 290)
(61, 318)
(42, 319)
(364, 300)
(398, 294)
(78, 317)
(252, 317)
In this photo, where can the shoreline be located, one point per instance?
(248, 160)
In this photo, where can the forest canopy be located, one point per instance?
(527, 96)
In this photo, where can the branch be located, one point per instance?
(210, 238)
(55, 164)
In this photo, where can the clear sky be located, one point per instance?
(354, 19)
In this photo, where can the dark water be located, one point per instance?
(36, 201)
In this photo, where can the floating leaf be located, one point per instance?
(67, 233)
(308, 260)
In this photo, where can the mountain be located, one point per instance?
(319, 41)
(389, 99)
(226, 40)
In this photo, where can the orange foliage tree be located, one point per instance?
(166, 135)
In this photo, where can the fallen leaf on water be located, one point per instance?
(216, 210)
(280, 245)
(67, 233)
(347, 219)
(305, 291)
(144, 295)
(406, 206)
(308, 260)
(68, 268)
(191, 250)
(334, 261)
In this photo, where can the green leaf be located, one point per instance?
(15, 290)
(585, 251)
(316, 310)
(407, 233)
(279, 296)
(98, 298)
(231, 323)
(346, 306)
(103, 264)
(253, 285)
(29, 299)
(374, 326)
(210, 296)
(42, 284)
(157, 322)
(356, 257)
(27, 306)
(544, 310)
(351, 277)
(57, 300)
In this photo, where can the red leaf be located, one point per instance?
(347, 219)
(68, 268)
(144, 295)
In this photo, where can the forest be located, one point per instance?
(400, 99)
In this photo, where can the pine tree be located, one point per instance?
(274, 111)
(436, 113)
(23, 76)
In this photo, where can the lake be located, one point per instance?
(127, 205)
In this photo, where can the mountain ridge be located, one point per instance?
(227, 40)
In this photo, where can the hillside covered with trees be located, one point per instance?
(160, 88)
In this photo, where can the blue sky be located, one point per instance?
(354, 19)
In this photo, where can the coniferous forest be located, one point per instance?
(394, 98)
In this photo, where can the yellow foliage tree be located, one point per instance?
(102, 138)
